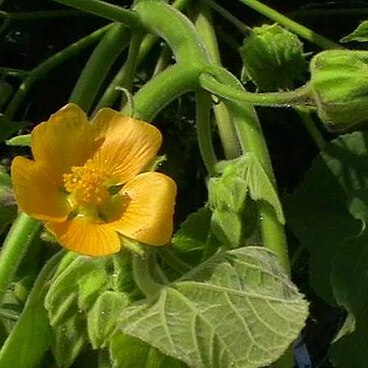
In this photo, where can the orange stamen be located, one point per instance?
(86, 184)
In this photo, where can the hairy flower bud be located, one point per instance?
(273, 58)
(339, 82)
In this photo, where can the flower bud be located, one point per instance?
(273, 58)
(339, 82)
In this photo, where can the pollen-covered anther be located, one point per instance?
(86, 184)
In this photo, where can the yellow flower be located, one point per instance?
(86, 181)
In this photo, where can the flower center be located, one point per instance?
(86, 184)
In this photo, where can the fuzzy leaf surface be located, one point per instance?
(238, 309)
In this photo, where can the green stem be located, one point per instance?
(273, 234)
(203, 23)
(299, 96)
(44, 14)
(11, 72)
(179, 33)
(132, 61)
(192, 59)
(105, 10)
(305, 116)
(163, 89)
(295, 27)
(142, 273)
(173, 261)
(228, 16)
(163, 61)
(98, 66)
(15, 245)
(112, 92)
(203, 124)
(251, 139)
(322, 13)
(41, 70)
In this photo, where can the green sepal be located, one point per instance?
(339, 82)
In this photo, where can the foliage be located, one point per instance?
(263, 239)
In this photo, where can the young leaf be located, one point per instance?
(360, 34)
(69, 340)
(194, 232)
(127, 352)
(103, 316)
(63, 296)
(20, 140)
(238, 309)
(72, 292)
(227, 196)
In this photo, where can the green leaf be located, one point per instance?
(20, 140)
(90, 286)
(103, 316)
(350, 281)
(32, 334)
(8, 207)
(242, 176)
(360, 34)
(72, 292)
(238, 309)
(324, 209)
(228, 227)
(194, 231)
(62, 299)
(69, 340)
(127, 352)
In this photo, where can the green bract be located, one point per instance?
(339, 81)
(273, 58)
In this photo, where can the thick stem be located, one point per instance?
(106, 10)
(15, 245)
(164, 88)
(175, 29)
(98, 66)
(112, 92)
(251, 139)
(310, 126)
(203, 124)
(142, 273)
(203, 23)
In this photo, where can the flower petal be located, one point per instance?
(82, 236)
(65, 140)
(129, 145)
(148, 217)
(36, 194)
